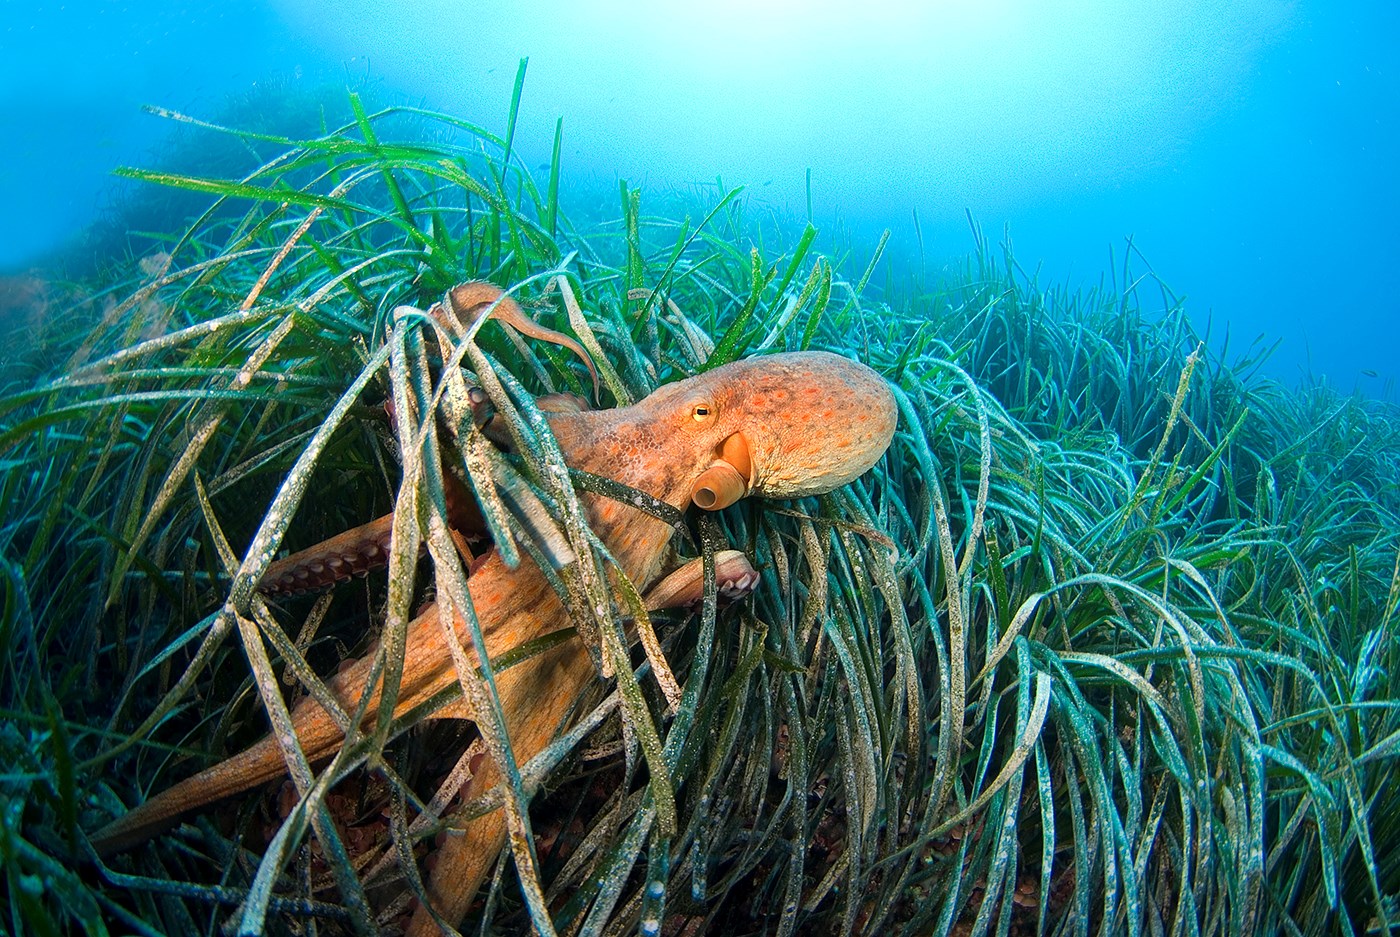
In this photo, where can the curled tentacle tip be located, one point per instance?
(735, 578)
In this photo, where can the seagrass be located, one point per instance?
(1106, 643)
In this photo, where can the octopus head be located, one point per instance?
(783, 426)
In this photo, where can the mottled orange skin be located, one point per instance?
(812, 421)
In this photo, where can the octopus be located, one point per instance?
(779, 426)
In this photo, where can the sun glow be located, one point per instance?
(980, 102)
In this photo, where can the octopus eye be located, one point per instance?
(700, 412)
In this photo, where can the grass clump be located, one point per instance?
(1105, 643)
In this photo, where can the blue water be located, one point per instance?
(1248, 148)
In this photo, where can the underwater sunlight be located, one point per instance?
(671, 469)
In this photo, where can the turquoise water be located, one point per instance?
(1248, 148)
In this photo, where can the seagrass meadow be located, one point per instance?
(1105, 643)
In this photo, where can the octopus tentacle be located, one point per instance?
(469, 300)
(735, 578)
(538, 698)
(363, 549)
(485, 418)
(353, 553)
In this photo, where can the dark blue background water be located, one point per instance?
(1249, 148)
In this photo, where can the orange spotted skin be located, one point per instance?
(812, 421)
